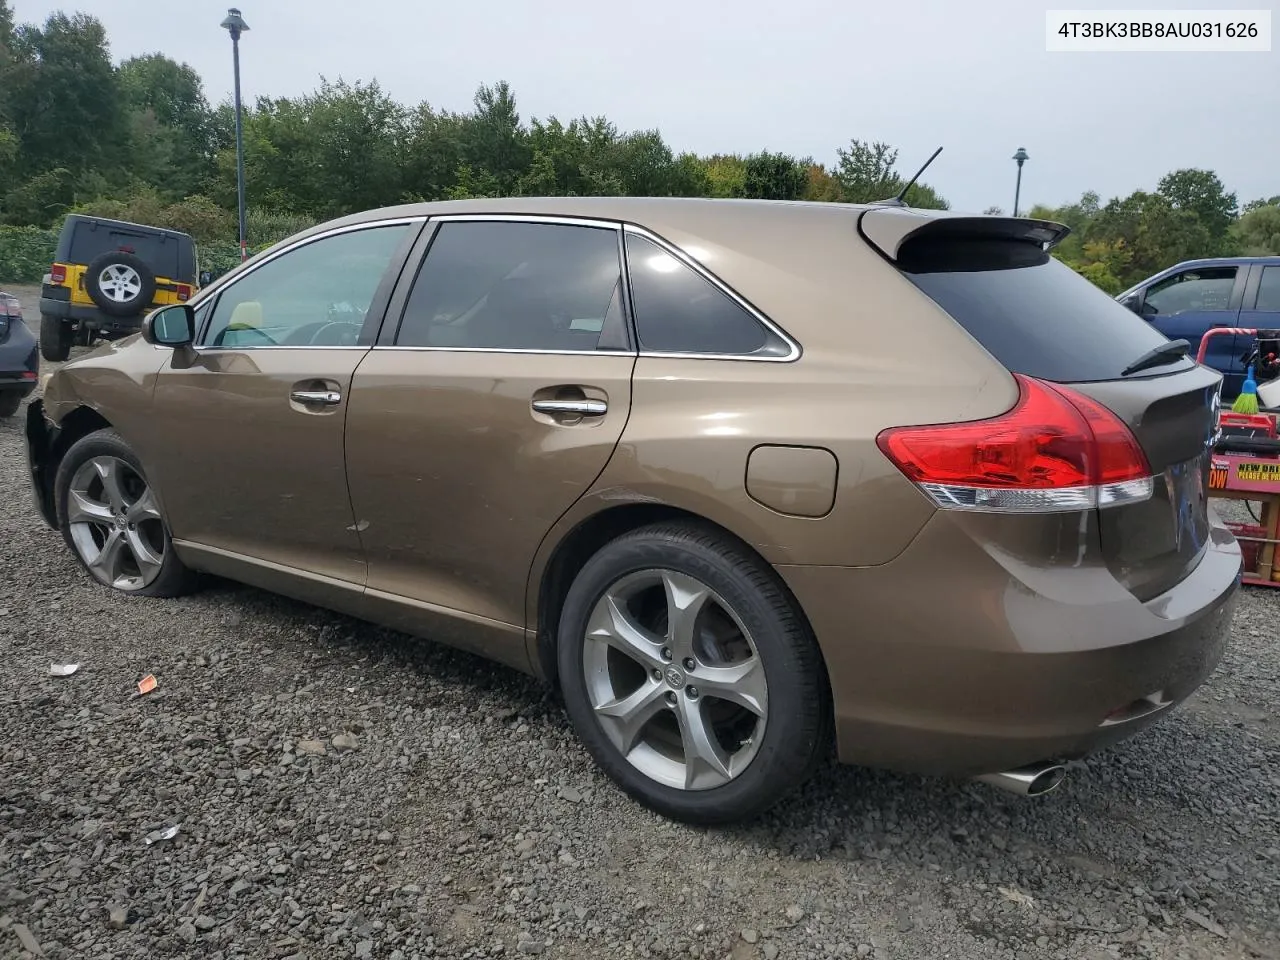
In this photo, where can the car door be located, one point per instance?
(488, 407)
(248, 440)
(1188, 303)
(1262, 298)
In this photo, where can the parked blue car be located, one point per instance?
(1190, 298)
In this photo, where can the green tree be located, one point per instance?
(63, 90)
(866, 174)
(726, 175)
(171, 125)
(432, 154)
(1156, 233)
(821, 185)
(1253, 205)
(1200, 192)
(1257, 233)
(865, 171)
(774, 176)
(493, 138)
(8, 138)
(334, 151)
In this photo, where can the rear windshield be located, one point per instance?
(1032, 313)
(161, 253)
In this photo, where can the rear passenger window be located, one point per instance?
(1269, 290)
(680, 311)
(495, 285)
(1193, 290)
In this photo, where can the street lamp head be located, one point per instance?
(234, 23)
(1021, 156)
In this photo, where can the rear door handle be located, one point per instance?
(327, 398)
(581, 408)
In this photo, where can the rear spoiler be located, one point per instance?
(888, 229)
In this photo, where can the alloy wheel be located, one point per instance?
(115, 523)
(120, 282)
(675, 680)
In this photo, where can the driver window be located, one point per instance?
(1194, 290)
(316, 295)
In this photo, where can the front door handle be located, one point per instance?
(580, 408)
(327, 398)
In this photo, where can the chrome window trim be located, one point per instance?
(217, 289)
(280, 346)
(598, 223)
(623, 228)
(526, 350)
(218, 286)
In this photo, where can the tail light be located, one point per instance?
(184, 292)
(58, 273)
(1055, 451)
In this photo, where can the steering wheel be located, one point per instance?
(343, 334)
(244, 337)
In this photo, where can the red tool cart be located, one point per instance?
(1245, 465)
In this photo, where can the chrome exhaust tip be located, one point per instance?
(1033, 780)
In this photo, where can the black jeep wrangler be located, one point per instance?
(106, 275)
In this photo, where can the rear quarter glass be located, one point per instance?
(1034, 314)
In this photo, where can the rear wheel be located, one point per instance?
(56, 337)
(690, 676)
(10, 400)
(111, 520)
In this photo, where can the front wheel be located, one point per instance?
(690, 676)
(56, 337)
(111, 520)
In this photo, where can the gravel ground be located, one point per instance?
(344, 791)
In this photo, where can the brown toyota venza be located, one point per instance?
(746, 481)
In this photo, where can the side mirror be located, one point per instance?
(1134, 302)
(173, 326)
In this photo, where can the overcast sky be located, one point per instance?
(800, 76)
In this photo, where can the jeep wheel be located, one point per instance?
(56, 337)
(120, 284)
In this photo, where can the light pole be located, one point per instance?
(234, 24)
(1021, 157)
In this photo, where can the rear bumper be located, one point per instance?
(19, 361)
(14, 384)
(91, 316)
(41, 435)
(954, 661)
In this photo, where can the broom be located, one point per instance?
(1247, 402)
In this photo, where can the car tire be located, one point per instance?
(56, 337)
(121, 284)
(10, 401)
(749, 628)
(111, 520)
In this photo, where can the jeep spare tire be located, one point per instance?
(120, 284)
